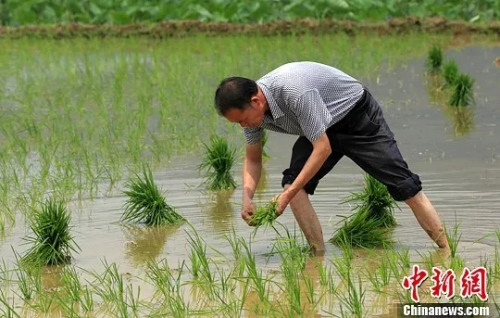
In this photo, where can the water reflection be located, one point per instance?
(145, 243)
(220, 210)
(463, 121)
(461, 117)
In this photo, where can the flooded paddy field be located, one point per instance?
(459, 166)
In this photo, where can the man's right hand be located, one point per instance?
(247, 211)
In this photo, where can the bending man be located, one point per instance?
(333, 115)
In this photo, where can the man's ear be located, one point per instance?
(255, 99)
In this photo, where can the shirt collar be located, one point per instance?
(276, 111)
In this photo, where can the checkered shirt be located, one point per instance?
(305, 98)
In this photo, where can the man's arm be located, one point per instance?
(252, 168)
(321, 151)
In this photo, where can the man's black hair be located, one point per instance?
(234, 92)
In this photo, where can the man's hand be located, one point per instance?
(283, 200)
(247, 211)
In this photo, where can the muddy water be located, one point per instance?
(460, 172)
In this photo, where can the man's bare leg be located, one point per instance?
(308, 221)
(428, 219)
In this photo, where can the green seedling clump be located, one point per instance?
(218, 161)
(462, 92)
(368, 226)
(450, 72)
(376, 201)
(435, 59)
(145, 203)
(361, 230)
(52, 240)
(264, 215)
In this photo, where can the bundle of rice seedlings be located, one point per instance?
(462, 93)
(377, 202)
(361, 230)
(435, 59)
(264, 215)
(146, 204)
(450, 72)
(52, 240)
(218, 161)
(369, 226)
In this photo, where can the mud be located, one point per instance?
(185, 28)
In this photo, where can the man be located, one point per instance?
(334, 115)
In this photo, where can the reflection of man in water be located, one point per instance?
(334, 115)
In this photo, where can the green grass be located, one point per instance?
(217, 163)
(145, 203)
(462, 94)
(52, 241)
(435, 59)
(264, 214)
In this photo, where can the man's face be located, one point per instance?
(251, 116)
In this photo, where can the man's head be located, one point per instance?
(240, 101)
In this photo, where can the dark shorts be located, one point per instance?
(364, 136)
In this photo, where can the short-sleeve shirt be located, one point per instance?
(305, 99)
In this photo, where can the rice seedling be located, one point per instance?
(495, 266)
(71, 283)
(52, 240)
(368, 226)
(435, 59)
(256, 276)
(146, 204)
(399, 263)
(264, 215)
(201, 269)
(382, 275)
(457, 263)
(25, 284)
(7, 310)
(293, 261)
(376, 200)
(217, 163)
(351, 305)
(450, 72)
(115, 292)
(453, 239)
(236, 244)
(462, 94)
(362, 231)
(87, 300)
